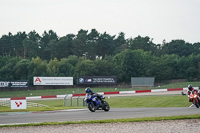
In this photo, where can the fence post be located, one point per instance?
(71, 101)
(65, 100)
(84, 103)
(77, 100)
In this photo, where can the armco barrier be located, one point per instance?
(102, 93)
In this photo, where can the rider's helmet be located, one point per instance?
(190, 87)
(88, 90)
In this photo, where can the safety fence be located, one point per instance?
(74, 101)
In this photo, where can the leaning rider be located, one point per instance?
(192, 90)
(90, 92)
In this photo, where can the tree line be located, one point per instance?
(23, 56)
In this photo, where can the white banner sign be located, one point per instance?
(53, 81)
(18, 104)
(4, 83)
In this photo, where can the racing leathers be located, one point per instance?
(94, 94)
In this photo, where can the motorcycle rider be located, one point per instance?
(90, 92)
(192, 90)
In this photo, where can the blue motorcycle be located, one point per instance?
(95, 102)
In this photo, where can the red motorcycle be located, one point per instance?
(194, 99)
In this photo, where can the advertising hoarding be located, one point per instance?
(97, 80)
(52, 80)
(19, 84)
(142, 81)
(18, 104)
(4, 83)
(12, 84)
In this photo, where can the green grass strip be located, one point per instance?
(163, 118)
(114, 102)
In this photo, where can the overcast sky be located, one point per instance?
(158, 19)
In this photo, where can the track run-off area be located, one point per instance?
(183, 126)
(10, 118)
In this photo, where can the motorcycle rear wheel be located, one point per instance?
(91, 107)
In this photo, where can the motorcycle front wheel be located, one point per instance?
(106, 106)
(196, 103)
(91, 107)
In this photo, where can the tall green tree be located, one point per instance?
(21, 69)
(196, 48)
(178, 47)
(32, 45)
(48, 44)
(164, 67)
(85, 68)
(105, 46)
(80, 43)
(65, 46)
(7, 46)
(120, 43)
(17, 42)
(131, 63)
(7, 71)
(91, 44)
(53, 67)
(66, 68)
(104, 67)
(144, 43)
(38, 67)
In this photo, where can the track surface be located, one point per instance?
(85, 114)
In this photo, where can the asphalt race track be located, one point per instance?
(85, 114)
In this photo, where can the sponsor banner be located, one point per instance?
(52, 80)
(97, 80)
(19, 84)
(18, 104)
(12, 84)
(4, 83)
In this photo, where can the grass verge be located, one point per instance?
(163, 118)
(114, 102)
